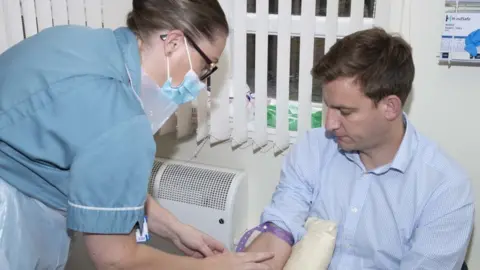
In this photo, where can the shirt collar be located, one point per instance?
(404, 154)
(128, 44)
(407, 148)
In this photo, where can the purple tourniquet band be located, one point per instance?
(265, 227)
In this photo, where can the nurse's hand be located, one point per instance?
(238, 261)
(195, 243)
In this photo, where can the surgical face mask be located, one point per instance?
(159, 103)
(190, 87)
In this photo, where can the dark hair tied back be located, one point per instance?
(198, 19)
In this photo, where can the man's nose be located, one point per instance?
(331, 120)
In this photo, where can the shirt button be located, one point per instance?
(354, 210)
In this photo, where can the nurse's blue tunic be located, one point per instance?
(72, 133)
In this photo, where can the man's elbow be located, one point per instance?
(268, 242)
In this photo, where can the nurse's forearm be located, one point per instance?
(160, 220)
(122, 252)
(150, 258)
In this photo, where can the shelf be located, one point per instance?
(463, 3)
(461, 62)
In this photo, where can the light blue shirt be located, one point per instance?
(415, 213)
(72, 133)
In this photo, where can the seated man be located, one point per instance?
(399, 202)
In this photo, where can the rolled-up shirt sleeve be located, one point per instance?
(109, 180)
(291, 200)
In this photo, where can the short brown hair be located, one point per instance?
(381, 63)
(196, 18)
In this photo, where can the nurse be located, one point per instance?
(78, 107)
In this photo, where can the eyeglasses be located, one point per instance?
(212, 67)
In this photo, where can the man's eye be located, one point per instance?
(345, 113)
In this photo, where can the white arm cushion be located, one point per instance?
(314, 251)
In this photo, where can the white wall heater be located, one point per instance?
(211, 199)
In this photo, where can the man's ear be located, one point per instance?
(172, 41)
(392, 107)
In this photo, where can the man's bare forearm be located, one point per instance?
(268, 242)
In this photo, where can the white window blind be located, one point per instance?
(284, 37)
(263, 91)
(20, 19)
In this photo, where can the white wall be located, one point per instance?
(452, 121)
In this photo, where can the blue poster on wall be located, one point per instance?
(461, 36)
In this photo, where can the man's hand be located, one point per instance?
(195, 243)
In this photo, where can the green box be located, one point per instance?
(293, 116)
